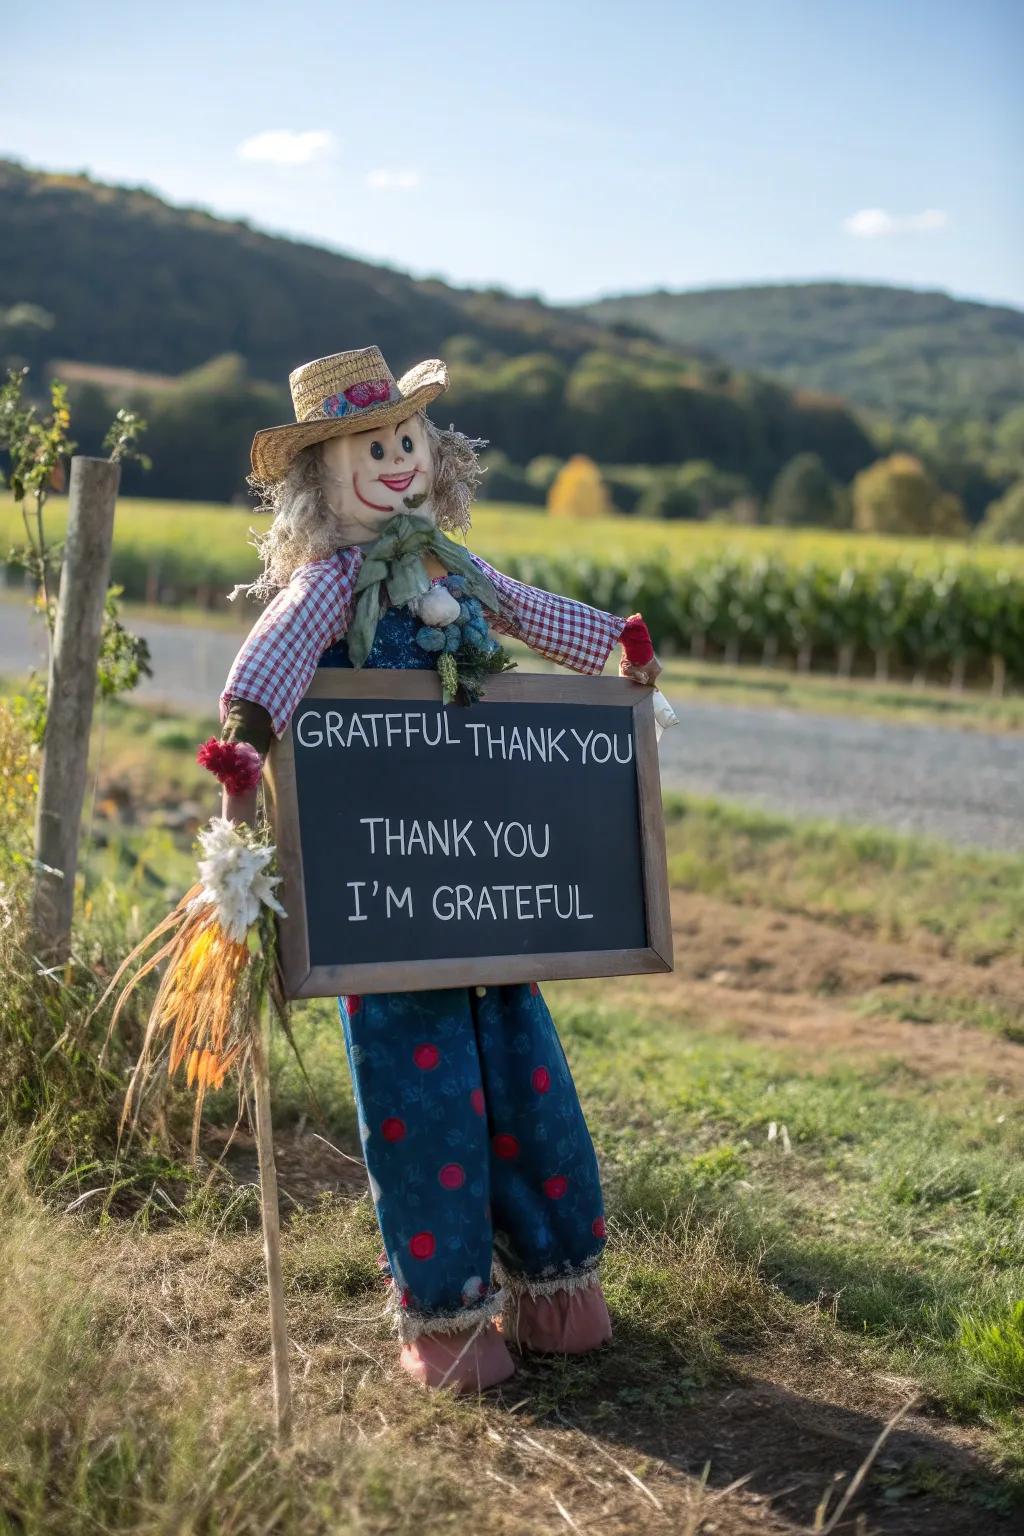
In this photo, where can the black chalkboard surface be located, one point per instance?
(427, 846)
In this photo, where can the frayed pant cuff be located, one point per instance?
(412, 1325)
(584, 1278)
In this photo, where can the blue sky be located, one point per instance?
(567, 148)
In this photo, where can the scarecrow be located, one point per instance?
(480, 1164)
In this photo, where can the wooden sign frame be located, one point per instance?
(301, 979)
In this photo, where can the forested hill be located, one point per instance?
(133, 282)
(212, 315)
(891, 349)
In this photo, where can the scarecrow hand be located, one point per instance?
(239, 808)
(644, 675)
(638, 661)
(237, 765)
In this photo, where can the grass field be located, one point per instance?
(811, 1135)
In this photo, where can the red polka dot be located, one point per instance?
(353, 1005)
(426, 1057)
(541, 1079)
(534, 989)
(556, 1186)
(422, 1245)
(505, 1146)
(599, 1228)
(406, 1297)
(476, 1098)
(451, 1176)
(392, 1129)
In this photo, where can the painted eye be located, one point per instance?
(377, 449)
(407, 444)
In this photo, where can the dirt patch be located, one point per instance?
(792, 980)
(308, 1166)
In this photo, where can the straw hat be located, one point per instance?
(347, 392)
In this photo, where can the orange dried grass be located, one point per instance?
(202, 1003)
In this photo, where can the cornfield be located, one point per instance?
(958, 622)
(943, 609)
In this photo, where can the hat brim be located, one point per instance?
(274, 448)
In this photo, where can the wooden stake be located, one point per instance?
(272, 1242)
(72, 688)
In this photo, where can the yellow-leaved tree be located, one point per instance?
(578, 490)
(898, 495)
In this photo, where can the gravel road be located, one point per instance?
(966, 787)
(963, 786)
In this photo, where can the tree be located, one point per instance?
(666, 497)
(1004, 520)
(1008, 457)
(505, 481)
(696, 489)
(897, 495)
(20, 324)
(579, 491)
(542, 470)
(804, 495)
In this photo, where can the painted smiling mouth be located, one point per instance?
(398, 482)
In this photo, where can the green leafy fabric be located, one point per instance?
(396, 560)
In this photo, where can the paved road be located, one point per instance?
(964, 786)
(189, 665)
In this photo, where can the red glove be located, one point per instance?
(236, 764)
(636, 641)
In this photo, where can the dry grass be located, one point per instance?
(134, 1386)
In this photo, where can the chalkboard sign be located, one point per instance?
(427, 846)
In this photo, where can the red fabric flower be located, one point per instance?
(556, 1186)
(426, 1057)
(367, 393)
(636, 641)
(236, 764)
(423, 1245)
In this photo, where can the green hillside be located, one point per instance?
(211, 316)
(890, 349)
(134, 282)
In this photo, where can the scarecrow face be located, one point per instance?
(372, 475)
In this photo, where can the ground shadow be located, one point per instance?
(790, 1442)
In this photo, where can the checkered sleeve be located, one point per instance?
(277, 661)
(563, 630)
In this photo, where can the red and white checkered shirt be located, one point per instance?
(276, 663)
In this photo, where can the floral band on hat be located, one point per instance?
(360, 397)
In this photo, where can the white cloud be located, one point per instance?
(286, 146)
(392, 181)
(875, 223)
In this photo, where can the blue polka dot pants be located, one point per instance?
(477, 1151)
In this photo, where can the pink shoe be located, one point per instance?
(561, 1323)
(464, 1362)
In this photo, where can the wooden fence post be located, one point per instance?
(72, 688)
